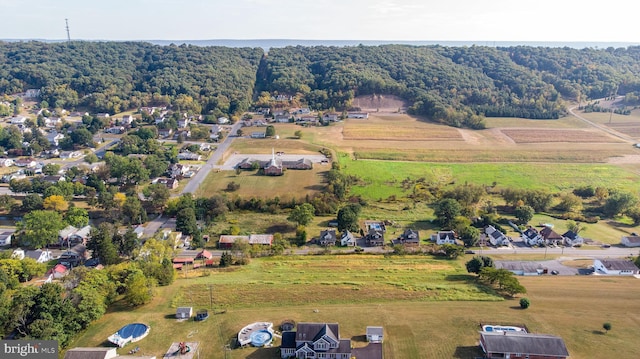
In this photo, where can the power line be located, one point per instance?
(68, 34)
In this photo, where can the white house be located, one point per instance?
(223, 120)
(127, 120)
(184, 122)
(358, 115)
(54, 138)
(18, 120)
(6, 162)
(39, 255)
(347, 239)
(630, 241)
(496, 238)
(612, 266)
(52, 122)
(444, 237)
(18, 253)
(5, 237)
(531, 237)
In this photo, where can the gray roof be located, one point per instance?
(313, 331)
(89, 353)
(618, 264)
(375, 331)
(533, 344)
(185, 310)
(288, 340)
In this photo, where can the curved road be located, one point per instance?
(601, 127)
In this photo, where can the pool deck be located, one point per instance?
(174, 351)
(244, 335)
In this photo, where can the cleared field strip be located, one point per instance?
(628, 128)
(540, 135)
(397, 128)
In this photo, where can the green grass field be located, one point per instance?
(429, 308)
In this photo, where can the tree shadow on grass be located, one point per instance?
(468, 352)
(472, 280)
(119, 306)
(280, 228)
(598, 332)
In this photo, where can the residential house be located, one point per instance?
(520, 345)
(6, 162)
(307, 120)
(165, 132)
(496, 238)
(52, 122)
(524, 268)
(330, 117)
(630, 241)
(347, 239)
(184, 312)
(315, 340)
(171, 183)
(284, 118)
(178, 169)
(302, 111)
(531, 237)
(205, 147)
(6, 236)
(40, 256)
(158, 120)
(72, 258)
(374, 238)
(71, 235)
(17, 253)
(57, 272)
(408, 238)
(70, 154)
(18, 121)
(613, 266)
(183, 122)
(189, 156)
(139, 231)
(185, 133)
(327, 238)
(358, 115)
(127, 120)
(215, 132)
(549, 236)
(223, 120)
(54, 179)
(444, 237)
(91, 353)
(115, 130)
(204, 254)
(572, 239)
(375, 334)
(25, 162)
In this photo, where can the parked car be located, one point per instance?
(469, 252)
(555, 272)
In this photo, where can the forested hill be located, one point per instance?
(454, 85)
(117, 76)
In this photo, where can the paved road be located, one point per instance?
(195, 181)
(602, 127)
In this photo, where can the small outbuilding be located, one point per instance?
(613, 266)
(630, 241)
(375, 334)
(184, 312)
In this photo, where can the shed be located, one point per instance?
(184, 312)
(375, 334)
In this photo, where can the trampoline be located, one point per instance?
(261, 338)
(130, 333)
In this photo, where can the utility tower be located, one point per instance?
(68, 35)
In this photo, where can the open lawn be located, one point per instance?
(428, 308)
(626, 124)
(558, 135)
(397, 127)
(293, 184)
(508, 122)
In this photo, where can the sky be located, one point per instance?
(406, 20)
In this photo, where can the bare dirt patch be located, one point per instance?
(380, 103)
(573, 136)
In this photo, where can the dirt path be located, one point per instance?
(601, 127)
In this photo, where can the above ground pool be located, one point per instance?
(261, 338)
(129, 333)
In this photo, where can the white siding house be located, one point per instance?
(611, 266)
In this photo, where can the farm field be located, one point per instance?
(557, 135)
(419, 301)
(625, 124)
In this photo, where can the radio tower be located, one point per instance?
(68, 35)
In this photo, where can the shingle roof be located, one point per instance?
(537, 344)
(313, 331)
(618, 264)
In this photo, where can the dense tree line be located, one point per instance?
(116, 76)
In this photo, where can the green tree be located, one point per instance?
(618, 203)
(606, 326)
(133, 212)
(446, 211)
(40, 228)
(186, 221)
(302, 214)
(101, 244)
(476, 264)
(6, 202)
(348, 218)
(298, 134)
(77, 217)
(575, 227)
(158, 195)
(452, 251)
(570, 202)
(270, 131)
(32, 202)
(139, 289)
(524, 213)
(524, 303)
(226, 259)
(51, 169)
(469, 235)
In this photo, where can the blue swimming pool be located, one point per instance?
(261, 338)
